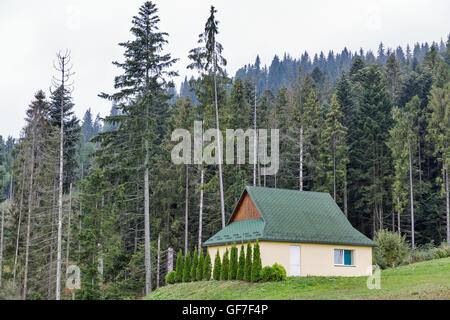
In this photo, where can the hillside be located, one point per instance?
(423, 280)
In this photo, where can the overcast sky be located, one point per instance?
(31, 32)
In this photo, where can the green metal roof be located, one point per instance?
(292, 216)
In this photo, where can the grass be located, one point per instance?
(423, 280)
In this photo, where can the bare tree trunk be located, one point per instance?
(148, 275)
(219, 145)
(30, 200)
(169, 260)
(200, 215)
(301, 159)
(411, 194)
(61, 178)
(18, 229)
(68, 226)
(186, 212)
(158, 262)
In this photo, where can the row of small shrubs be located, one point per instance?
(234, 265)
(186, 270)
(392, 250)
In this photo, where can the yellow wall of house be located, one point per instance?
(315, 259)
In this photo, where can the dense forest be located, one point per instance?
(373, 130)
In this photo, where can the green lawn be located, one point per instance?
(423, 280)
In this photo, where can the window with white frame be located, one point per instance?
(343, 257)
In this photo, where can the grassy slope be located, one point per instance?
(423, 280)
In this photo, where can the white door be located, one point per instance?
(294, 253)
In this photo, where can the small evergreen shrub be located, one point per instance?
(256, 263)
(266, 274)
(279, 272)
(273, 273)
(241, 264)
(225, 265)
(207, 267)
(179, 267)
(194, 266)
(232, 272)
(171, 277)
(199, 272)
(187, 268)
(248, 263)
(392, 249)
(217, 266)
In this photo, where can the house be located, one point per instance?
(306, 232)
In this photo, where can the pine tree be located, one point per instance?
(217, 267)
(225, 266)
(256, 264)
(179, 266)
(187, 268)
(142, 99)
(232, 271)
(207, 267)
(334, 150)
(208, 58)
(248, 263)
(241, 264)
(200, 265)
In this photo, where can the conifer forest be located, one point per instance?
(101, 192)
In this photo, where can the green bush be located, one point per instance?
(266, 274)
(256, 264)
(279, 272)
(171, 277)
(232, 272)
(273, 273)
(207, 267)
(392, 249)
(217, 266)
(241, 264)
(187, 268)
(248, 263)
(179, 267)
(225, 265)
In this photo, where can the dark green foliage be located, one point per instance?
(391, 249)
(171, 277)
(187, 268)
(256, 263)
(200, 266)
(232, 272)
(273, 273)
(241, 264)
(179, 266)
(248, 263)
(224, 270)
(194, 266)
(207, 267)
(217, 266)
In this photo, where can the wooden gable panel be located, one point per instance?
(245, 210)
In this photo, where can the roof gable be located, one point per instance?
(245, 209)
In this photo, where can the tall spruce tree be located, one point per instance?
(208, 58)
(142, 101)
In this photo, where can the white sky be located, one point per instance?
(31, 32)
